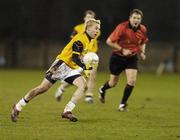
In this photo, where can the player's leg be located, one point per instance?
(131, 75)
(113, 80)
(44, 86)
(90, 86)
(60, 90)
(81, 85)
(116, 66)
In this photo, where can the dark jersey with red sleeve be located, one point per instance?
(129, 38)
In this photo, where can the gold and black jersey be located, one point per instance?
(80, 28)
(80, 44)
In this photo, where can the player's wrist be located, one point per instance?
(143, 53)
(121, 49)
(84, 67)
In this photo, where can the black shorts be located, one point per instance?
(118, 63)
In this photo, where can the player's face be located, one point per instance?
(93, 30)
(135, 20)
(88, 16)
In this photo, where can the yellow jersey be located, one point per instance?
(81, 29)
(84, 45)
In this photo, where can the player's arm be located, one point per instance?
(142, 48)
(142, 51)
(112, 44)
(145, 40)
(117, 47)
(77, 50)
(114, 37)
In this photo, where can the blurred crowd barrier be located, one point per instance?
(161, 56)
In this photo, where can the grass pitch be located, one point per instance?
(154, 110)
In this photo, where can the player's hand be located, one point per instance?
(86, 73)
(143, 56)
(126, 52)
(95, 65)
(87, 67)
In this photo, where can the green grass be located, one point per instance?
(154, 110)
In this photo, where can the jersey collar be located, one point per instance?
(133, 28)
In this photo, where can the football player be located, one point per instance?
(127, 41)
(64, 68)
(89, 14)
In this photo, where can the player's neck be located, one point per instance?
(134, 28)
(88, 36)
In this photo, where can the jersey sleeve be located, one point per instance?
(145, 40)
(76, 28)
(75, 31)
(117, 33)
(77, 47)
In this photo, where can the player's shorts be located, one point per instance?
(118, 63)
(61, 71)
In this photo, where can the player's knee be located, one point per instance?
(131, 82)
(112, 83)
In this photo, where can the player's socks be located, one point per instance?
(59, 92)
(105, 86)
(70, 106)
(21, 104)
(127, 92)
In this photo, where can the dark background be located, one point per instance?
(33, 32)
(54, 19)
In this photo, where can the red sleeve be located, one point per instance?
(117, 33)
(145, 40)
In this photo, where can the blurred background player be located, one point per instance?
(127, 40)
(89, 14)
(64, 68)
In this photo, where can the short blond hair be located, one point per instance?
(91, 21)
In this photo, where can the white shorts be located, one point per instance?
(61, 71)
